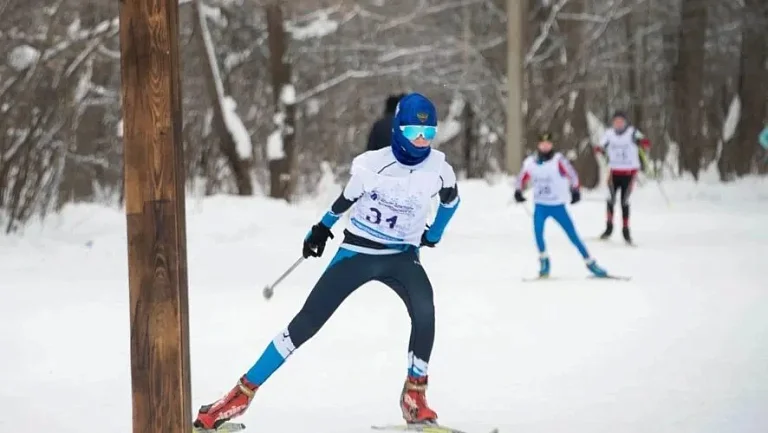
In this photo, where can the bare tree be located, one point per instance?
(752, 87)
(50, 69)
(688, 86)
(281, 150)
(224, 120)
(293, 87)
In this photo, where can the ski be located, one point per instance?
(608, 241)
(591, 277)
(227, 427)
(422, 428)
(537, 278)
(610, 277)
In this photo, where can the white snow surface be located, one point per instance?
(682, 348)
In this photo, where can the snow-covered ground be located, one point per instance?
(682, 348)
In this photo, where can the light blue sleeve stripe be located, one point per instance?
(444, 215)
(329, 219)
(764, 138)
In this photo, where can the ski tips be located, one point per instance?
(422, 428)
(227, 427)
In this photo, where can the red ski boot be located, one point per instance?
(413, 402)
(234, 404)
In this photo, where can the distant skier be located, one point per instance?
(763, 138)
(625, 147)
(381, 132)
(390, 193)
(555, 183)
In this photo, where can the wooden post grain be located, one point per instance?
(154, 203)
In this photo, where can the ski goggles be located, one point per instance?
(413, 132)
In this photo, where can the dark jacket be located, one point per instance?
(381, 131)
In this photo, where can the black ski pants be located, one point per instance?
(620, 183)
(402, 272)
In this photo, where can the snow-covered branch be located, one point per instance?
(544, 30)
(354, 74)
(226, 104)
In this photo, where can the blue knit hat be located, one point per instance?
(413, 109)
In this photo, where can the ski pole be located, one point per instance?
(528, 211)
(663, 193)
(269, 290)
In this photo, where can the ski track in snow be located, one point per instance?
(682, 348)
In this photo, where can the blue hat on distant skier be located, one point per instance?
(413, 109)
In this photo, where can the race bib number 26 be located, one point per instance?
(544, 190)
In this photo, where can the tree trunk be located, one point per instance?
(471, 142)
(634, 24)
(575, 71)
(753, 87)
(281, 165)
(688, 85)
(215, 88)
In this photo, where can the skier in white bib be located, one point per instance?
(389, 195)
(625, 147)
(555, 183)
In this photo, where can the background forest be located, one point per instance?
(278, 94)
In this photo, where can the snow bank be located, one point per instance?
(680, 348)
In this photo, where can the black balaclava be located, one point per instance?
(545, 156)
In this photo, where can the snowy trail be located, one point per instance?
(683, 347)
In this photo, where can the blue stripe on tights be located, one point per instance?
(267, 364)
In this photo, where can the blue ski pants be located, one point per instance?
(542, 212)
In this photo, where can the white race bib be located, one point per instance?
(544, 189)
(620, 154)
(395, 209)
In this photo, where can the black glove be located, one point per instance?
(575, 196)
(314, 243)
(519, 196)
(426, 242)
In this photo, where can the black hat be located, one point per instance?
(619, 113)
(390, 105)
(545, 136)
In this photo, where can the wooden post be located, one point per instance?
(516, 10)
(154, 203)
